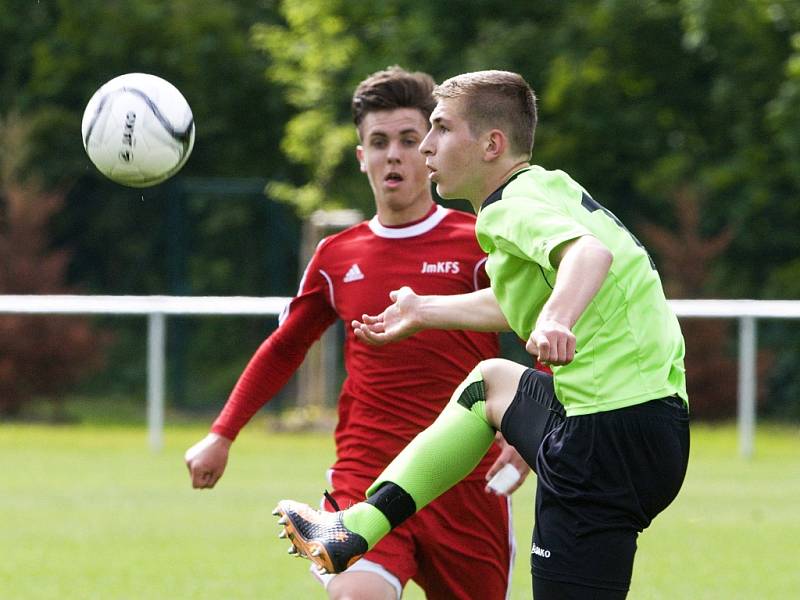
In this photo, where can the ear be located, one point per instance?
(362, 165)
(496, 144)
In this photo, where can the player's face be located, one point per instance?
(389, 155)
(452, 153)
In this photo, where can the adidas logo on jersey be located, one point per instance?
(353, 274)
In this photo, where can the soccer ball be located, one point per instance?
(138, 129)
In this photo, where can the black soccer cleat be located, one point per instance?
(319, 536)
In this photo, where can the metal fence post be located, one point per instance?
(747, 385)
(156, 357)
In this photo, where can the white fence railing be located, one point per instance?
(156, 308)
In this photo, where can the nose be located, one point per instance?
(426, 148)
(393, 155)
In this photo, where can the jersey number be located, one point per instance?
(592, 205)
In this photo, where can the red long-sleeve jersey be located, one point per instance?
(391, 392)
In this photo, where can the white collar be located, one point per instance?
(414, 230)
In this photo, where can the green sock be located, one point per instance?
(367, 521)
(435, 460)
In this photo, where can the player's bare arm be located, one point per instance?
(410, 313)
(583, 265)
(206, 460)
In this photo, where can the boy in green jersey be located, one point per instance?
(608, 434)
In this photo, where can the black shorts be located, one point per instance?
(601, 478)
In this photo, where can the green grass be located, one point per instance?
(89, 512)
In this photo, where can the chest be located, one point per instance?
(360, 280)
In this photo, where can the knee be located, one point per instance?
(492, 368)
(500, 374)
(360, 586)
(500, 379)
(361, 594)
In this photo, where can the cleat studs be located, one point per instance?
(315, 552)
(276, 511)
(282, 534)
(283, 520)
(292, 550)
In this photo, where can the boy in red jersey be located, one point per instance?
(385, 402)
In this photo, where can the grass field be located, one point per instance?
(89, 512)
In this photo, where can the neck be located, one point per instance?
(495, 179)
(409, 214)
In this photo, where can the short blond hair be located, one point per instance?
(495, 99)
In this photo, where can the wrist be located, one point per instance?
(554, 315)
(425, 315)
(218, 439)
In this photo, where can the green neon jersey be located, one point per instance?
(629, 345)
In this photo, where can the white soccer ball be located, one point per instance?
(138, 129)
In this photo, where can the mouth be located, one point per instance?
(393, 179)
(433, 173)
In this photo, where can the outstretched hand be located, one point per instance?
(398, 321)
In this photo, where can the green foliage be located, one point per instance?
(40, 355)
(640, 101)
(315, 45)
(321, 52)
(179, 237)
(199, 47)
(643, 102)
(59, 53)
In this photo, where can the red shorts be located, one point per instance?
(459, 547)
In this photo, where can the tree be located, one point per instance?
(324, 48)
(40, 355)
(190, 235)
(680, 117)
(70, 49)
(637, 99)
(687, 258)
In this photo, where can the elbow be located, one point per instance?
(606, 257)
(599, 253)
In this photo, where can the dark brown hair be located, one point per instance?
(393, 88)
(495, 99)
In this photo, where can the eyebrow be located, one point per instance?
(402, 132)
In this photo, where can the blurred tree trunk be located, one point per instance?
(686, 260)
(39, 355)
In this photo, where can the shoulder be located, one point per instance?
(341, 239)
(456, 218)
(532, 193)
(459, 222)
(539, 183)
